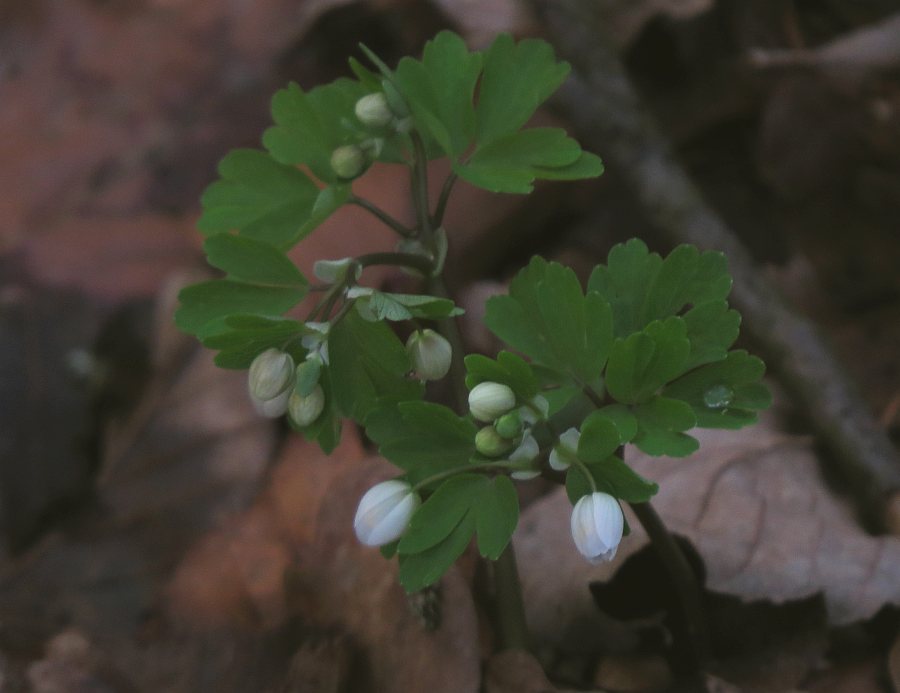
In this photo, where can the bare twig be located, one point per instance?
(606, 111)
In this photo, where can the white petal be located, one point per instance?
(570, 439)
(525, 474)
(597, 525)
(272, 408)
(528, 449)
(384, 512)
(557, 462)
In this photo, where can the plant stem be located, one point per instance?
(510, 609)
(694, 641)
(438, 217)
(411, 260)
(396, 225)
(511, 625)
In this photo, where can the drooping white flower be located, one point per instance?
(597, 525)
(567, 445)
(270, 381)
(384, 512)
(488, 401)
(429, 353)
(526, 454)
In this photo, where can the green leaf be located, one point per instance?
(611, 476)
(204, 305)
(725, 394)
(418, 570)
(511, 163)
(711, 329)
(368, 362)
(379, 305)
(497, 514)
(421, 438)
(517, 78)
(624, 283)
(246, 336)
(547, 317)
(260, 198)
(642, 363)
(508, 369)
(623, 419)
(442, 512)
(660, 425)
(439, 90)
(599, 438)
(252, 261)
(311, 125)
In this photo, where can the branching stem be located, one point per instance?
(383, 216)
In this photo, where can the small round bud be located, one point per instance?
(269, 382)
(488, 400)
(490, 444)
(348, 161)
(384, 512)
(373, 110)
(509, 425)
(597, 526)
(305, 409)
(429, 353)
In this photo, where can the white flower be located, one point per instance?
(567, 445)
(488, 400)
(597, 525)
(316, 339)
(429, 353)
(304, 410)
(526, 454)
(270, 381)
(384, 512)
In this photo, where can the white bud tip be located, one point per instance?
(597, 526)
(384, 513)
(373, 110)
(488, 400)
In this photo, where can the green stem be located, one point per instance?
(383, 216)
(414, 261)
(694, 641)
(447, 473)
(420, 188)
(512, 626)
(441, 208)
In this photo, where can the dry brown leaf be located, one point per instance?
(516, 671)
(755, 507)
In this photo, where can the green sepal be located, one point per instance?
(379, 305)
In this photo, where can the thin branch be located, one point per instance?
(412, 260)
(441, 208)
(383, 216)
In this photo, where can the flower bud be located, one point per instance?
(526, 455)
(567, 446)
(509, 425)
(348, 161)
(384, 512)
(597, 525)
(373, 110)
(490, 443)
(269, 382)
(429, 353)
(488, 401)
(305, 409)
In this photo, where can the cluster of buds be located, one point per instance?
(377, 114)
(277, 387)
(507, 432)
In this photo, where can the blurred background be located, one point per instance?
(156, 535)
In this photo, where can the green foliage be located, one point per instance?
(612, 476)
(379, 305)
(422, 438)
(443, 525)
(509, 369)
(547, 317)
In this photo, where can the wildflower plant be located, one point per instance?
(638, 356)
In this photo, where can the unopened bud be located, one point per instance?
(509, 425)
(305, 409)
(488, 401)
(373, 110)
(429, 353)
(348, 161)
(384, 512)
(490, 443)
(270, 380)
